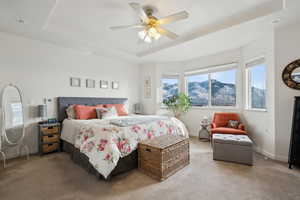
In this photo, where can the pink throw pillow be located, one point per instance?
(86, 112)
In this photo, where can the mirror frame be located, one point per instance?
(3, 131)
(287, 75)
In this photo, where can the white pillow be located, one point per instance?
(71, 112)
(106, 113)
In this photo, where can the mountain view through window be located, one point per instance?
(257, 76)
(169, 87)
(197, 89)
(223, 90)
(220, 84)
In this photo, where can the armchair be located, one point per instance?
(220, 121)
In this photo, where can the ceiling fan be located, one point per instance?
(150, 26)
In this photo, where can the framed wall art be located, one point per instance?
(104, 84)
(90, 83)
(147, 87)
(75, 82)
(115, 85)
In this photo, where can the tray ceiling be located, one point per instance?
(84, 25)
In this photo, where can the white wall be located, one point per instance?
(43, 70)
(261, 125)
(287, 49)
(148, 103)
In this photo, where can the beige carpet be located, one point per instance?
(55, 176)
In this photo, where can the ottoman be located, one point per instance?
(234, 148)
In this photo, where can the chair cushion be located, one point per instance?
(221, 119)
(242, 140)
(225, 130)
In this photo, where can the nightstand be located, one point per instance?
(49, 138)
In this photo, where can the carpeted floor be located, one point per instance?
(56, 177)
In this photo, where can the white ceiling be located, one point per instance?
(212, 26)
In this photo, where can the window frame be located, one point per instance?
(209, 71)
(248, 96)
(170, 76)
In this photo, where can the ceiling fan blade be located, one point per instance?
(140, 11)
(135, 26)
(167, 33)
(173, 18)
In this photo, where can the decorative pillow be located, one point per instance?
(106, 113)
(233, 124)
(86, 112)
(71, 112)
(121, 110)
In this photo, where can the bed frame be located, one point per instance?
(124, 165)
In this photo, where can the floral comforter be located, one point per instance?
(105, 144)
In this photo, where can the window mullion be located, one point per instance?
(250, 89)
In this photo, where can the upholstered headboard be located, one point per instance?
(64, 102)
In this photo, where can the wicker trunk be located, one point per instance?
(163, 156)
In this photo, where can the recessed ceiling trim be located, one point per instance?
(245, 16)
(51, 13)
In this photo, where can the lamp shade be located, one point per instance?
(42, 109)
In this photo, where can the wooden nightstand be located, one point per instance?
(49, 138)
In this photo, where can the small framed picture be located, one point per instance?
(103, 84)
(90, 83)
(115, 85)
(75, 82)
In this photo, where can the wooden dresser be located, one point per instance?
(163, 156)
(49, 138)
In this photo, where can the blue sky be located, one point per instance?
(258, 74)
(197, 78)
(170, 80)
(225, 77)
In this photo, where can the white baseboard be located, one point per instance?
(270, 155)
(282, 158)
(264, 152)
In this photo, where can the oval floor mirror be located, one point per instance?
(12, 123)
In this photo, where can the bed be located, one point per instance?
(107, 147)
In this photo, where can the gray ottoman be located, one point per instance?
(234, 148)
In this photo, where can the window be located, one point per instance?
(212, 88)
(256, 84)
(197, 89)
(169, 86)
(223, 90)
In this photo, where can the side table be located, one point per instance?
(204, 132)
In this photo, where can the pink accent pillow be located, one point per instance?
(86, 112)
(120, 109)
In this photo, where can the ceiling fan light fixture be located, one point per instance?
(145, 36)
(150, 25)
(153, 33)
(149, 35)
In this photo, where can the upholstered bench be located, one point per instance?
(234, 148)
